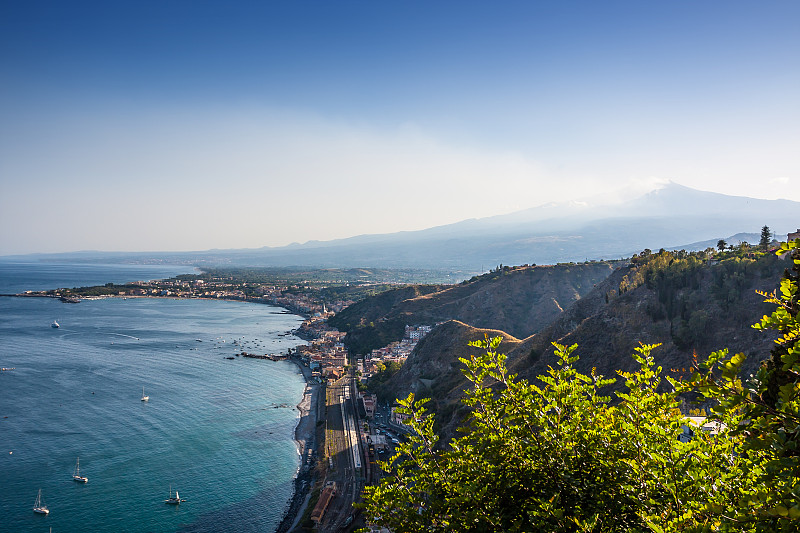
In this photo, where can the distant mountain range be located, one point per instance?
(668, 217)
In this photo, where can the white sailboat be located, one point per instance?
(173, 500)
(39, 506)
(55, 324)
(77, 475)
(144, 397)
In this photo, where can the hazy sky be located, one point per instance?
(189, 125)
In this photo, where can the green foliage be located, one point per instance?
(766, 238)
(676, 276)
(691, 331)
(109, 289)
(665, 273)
(553, 457)
(768, 408)
(364, 338)
(669, 275)
(560, 455)
(385, 372)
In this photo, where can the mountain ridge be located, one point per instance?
(547, 234)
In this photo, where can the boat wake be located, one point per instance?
(123, 335)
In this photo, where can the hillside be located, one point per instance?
(688, 307)
(434, 371)
(520, 300)
(366, 321)
(687, 304)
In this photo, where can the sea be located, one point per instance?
(219, 432)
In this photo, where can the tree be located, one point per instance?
(512, 471)
(721, 244)
(766, 238)
(558, 455)
(768, 406)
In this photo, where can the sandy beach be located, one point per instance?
(305, 437)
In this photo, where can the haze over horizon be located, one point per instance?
(145, 126)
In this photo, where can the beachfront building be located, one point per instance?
(326, 352)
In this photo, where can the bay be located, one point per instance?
(219, 431)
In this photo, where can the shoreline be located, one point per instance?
(306, 429)
(41, 294)
(305, 440)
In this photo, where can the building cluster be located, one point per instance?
(396, 352)
(227, 289)
(304, 304)
(189, 289)
(325, 354)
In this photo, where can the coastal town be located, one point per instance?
(344, 432)
(325, 354)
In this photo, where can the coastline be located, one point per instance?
(305, 432)
(305, 438)
(43, 294)
(216, 402)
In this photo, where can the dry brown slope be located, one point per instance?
(606, 334)
(519, 300)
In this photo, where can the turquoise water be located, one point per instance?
(219, 431)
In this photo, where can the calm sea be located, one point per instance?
(218, 431)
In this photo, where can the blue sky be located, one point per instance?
(196, 125)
